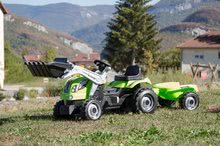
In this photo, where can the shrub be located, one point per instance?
(53, 90)
(20, 94)
(33, 93)
(2, 96)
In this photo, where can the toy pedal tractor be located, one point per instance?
(87, 95)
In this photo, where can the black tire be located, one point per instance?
(132, 103)
(56, 109)
(92, 110)
(146, 101)
(166, 103)
(189, 101)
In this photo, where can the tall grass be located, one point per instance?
(170, 76)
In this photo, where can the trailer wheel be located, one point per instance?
(146, 101)
(92, 110)
(56, 109)
(166, 103)
(190, 101)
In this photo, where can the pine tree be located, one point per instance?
(132, 36)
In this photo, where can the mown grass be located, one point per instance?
(32, 123)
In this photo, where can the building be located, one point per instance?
(32, 58)
(85, 59)
(2, 58)
(204, 49)
(80, 59)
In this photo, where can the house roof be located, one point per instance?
(2, 7)
(86, 57)
(78, 58)
(32, 58)
(210, 40)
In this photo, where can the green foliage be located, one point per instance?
(99, 137)
(50, 54)
(20, 94)
(15, 70)
(33, 93)
(149, 62)
(53, 90)
(170, 58)
(32, 40)
(131, 39)
(25, 52)
(133, 137)
(2, 96)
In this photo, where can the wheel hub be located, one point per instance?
(191, 103)
(93, 111)
(147, 103)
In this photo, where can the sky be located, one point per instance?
(78, 2)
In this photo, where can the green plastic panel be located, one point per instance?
(128, 84)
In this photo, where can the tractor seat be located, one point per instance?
(132, 73)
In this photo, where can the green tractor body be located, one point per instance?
(74, 90)
(129, 84)
(173, 90)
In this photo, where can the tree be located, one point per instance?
(24, 52)
(15, 70)
(50, 54)
(170, 58)
(132, 36)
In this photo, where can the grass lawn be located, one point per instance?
(32, 123)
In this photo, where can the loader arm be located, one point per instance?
(96, 77)
(65, 69)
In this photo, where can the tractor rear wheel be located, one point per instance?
(146, 101)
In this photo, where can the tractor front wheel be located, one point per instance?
(92, 110)
(56, 109)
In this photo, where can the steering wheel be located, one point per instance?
(102, 65)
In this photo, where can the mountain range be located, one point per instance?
(25, 34)
(89, 24)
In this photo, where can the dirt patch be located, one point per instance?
(9, 140)
(214, 108)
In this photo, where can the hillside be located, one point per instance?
(198, 23)
(64, 17)
(90, 23)
(94, 34)
(24, 34)
(169, 12)
(15, 71)
(171, 40)
(210, 16)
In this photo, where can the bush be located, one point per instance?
(33, 93)
(20, 94)
(2, 96)
(53, 90)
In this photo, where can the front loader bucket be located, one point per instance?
(50, 70)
